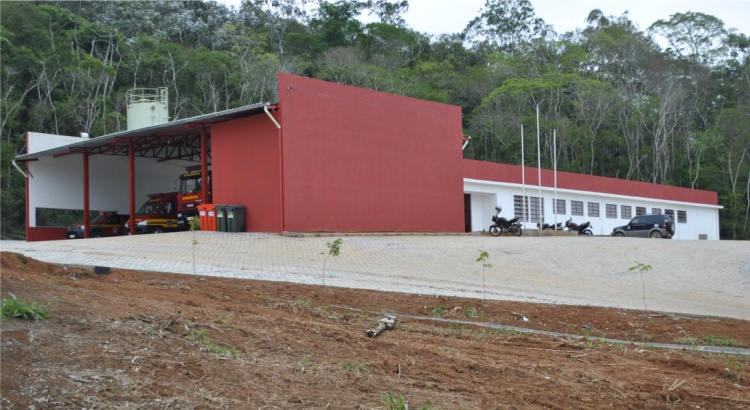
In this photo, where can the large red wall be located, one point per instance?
(489, 171)
(245, 170)
(360, 160)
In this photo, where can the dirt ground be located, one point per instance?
(145, 340)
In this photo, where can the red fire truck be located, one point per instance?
(190, 195)
(157, 215)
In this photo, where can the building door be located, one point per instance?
(467, 212)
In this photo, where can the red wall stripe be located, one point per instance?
(566, 180)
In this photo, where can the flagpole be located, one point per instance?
(539, 165)
(523, 181)
(554, 150)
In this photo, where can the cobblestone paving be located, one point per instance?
(689, 277)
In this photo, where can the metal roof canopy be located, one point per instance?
(175, 140)
(185, 140)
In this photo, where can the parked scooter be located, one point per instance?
(582, 229)
(551, 227)
(502, 225)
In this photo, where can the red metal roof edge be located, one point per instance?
(496, 172)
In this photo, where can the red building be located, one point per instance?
(344, 159)
(324, 158)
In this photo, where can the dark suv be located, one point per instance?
(647, 226)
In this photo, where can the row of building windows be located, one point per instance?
(535, 209)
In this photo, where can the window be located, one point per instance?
(669, 213)
(611, 210)
(520, 208)
(532, 206)
(682, 217)
(560, 209)
(593, 209)
(655, 211)
(626, 211)
(640, 210)
(576, 208)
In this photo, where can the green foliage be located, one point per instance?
(392, 401)
(350, 367)
(210, 344)
(194, 224)
(21, 309)
(474, 313)
(334, 248)
(640, 267)
(720, 341)
(734, 369)
(438, 311)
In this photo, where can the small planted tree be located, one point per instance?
(640, 267)
(333, 250)
(483, 256)
(195, 225)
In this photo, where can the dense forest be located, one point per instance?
(669, 103)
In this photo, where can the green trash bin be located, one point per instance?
(235, 218)
(221, 218)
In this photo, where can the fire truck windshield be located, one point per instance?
(190, 185)
(150, 207)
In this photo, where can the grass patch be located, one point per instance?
(224, 319)
(720, 341)
(22, 309)
(394, 402)
(474, 313)
(693, 342)
(210, 345)
(438, 311)
(355, 367)
(734, 370)
(505, 331)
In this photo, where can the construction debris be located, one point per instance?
(386, 323)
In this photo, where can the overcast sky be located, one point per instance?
(452, 16)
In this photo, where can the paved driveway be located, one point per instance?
(689, 277)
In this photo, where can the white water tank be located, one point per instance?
(147, 107)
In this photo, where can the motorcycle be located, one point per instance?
(582, 229)
(551, 227)
(502, 225)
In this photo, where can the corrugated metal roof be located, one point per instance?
(178, 139)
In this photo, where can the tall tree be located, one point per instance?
(506, 25)
(697, 37)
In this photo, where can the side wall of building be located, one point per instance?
(605, 202)
(360, 160)
(245, 164)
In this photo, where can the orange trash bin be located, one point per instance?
(207, 214)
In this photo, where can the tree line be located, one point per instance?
(668, 104)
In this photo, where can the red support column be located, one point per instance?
(281, 171)
(131, 176)
(86, 224)
(204, 167)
